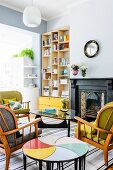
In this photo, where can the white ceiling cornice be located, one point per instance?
(50, 9)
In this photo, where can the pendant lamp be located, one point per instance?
(31, 16)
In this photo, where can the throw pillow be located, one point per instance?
(15, 105)
(5, 101)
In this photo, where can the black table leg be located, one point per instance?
(75, 164)
(24, 161)
(68, 128)
(84, 162)
(40, 165)
(49, 165)
(80, 163)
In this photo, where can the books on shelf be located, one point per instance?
(47, 52)
(55, 83)
(55, 62)
(64, 38)
(64, 61)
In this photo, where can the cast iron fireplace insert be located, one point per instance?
(88, 96)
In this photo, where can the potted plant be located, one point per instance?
(25, 53)
(65, 103)
(83, 70)
(75, 69)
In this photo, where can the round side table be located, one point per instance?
(59, 151)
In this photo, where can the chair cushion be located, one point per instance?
(21, 111)
(87, 128)
(10, 123)
(15, 105)
(5, 101)
(103, 118)
(94, 138)
(27, 137)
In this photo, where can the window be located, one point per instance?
(11, 69)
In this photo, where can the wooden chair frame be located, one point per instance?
(109, 139)
(25, 106)
(4, 146)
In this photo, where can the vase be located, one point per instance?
(75, 72)
(83, 73)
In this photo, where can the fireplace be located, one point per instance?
(88, 96)
(91, 102)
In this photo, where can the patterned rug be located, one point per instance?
(94, 158)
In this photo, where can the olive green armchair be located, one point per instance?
(7, 96)
(98, 133)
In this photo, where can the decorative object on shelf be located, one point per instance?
(83, 70)
(65, 103)
(55, 36)
(91, 48)
(75, 69)
(31, 16)
(25, 53)
(46, 90)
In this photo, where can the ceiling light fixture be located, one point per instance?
(31, 16)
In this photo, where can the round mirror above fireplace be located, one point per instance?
(91, 48)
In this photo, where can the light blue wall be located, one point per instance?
(14, 18)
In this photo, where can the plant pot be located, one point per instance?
(28, 61)
(75, 72)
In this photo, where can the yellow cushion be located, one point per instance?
(87, 128)
(94, 138)
(5, 101)
(109, 104)
(21, 111)
(104, 117)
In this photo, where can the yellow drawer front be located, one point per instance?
(42, 107)
(51, 102)
(56, 103)
(43, 100)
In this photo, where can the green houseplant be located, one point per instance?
(25, 53)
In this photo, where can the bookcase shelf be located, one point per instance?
(55, 63)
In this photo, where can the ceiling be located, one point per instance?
(49, 8)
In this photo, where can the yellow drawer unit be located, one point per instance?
(49, 102)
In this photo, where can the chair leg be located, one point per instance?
(106, 157)
(29, 117)
(7, 160)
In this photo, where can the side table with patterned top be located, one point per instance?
(58, 150)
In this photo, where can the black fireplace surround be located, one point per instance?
(88, 96)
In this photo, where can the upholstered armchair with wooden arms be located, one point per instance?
(13, 137)
(7, 96)
(99, 133)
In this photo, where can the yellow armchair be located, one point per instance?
(6, 96)
(100, 133)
